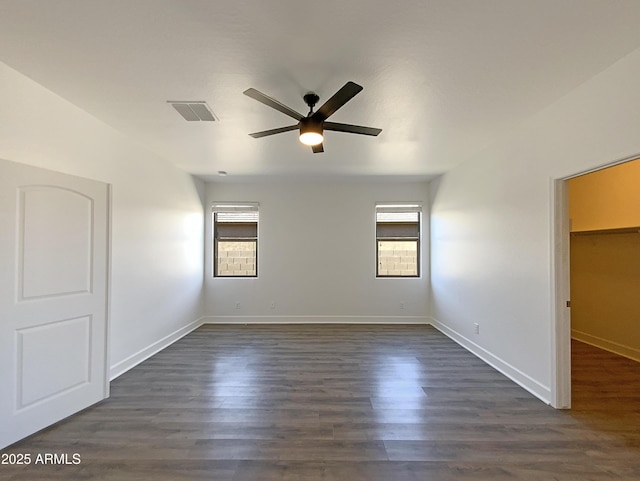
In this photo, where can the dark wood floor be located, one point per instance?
(348, 403)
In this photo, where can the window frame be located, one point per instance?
(236, 207)
(399, 207)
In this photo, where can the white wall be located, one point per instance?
(492, 216)
(316, 255)
(157, 223)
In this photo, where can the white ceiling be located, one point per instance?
(442, 78)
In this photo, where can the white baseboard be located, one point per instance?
(607, 345)
(315, 320)
(539, 390)
(132, 361)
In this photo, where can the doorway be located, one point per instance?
(596, 239)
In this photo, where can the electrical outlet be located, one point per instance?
(402, 306)
(476, 326)
(237, 305)
(272, 305)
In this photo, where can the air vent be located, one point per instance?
(194, 110)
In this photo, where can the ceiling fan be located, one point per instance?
(312, 126)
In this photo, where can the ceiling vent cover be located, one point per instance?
(194, 110)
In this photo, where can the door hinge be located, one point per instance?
(568, 303)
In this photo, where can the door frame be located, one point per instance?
(107, 310)
(560, 284)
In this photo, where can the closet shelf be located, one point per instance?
(620, 230)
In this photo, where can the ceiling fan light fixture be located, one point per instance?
(310, 131)
(311, 138)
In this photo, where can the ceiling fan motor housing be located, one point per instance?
(309, 124)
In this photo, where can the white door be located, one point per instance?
(53, 297)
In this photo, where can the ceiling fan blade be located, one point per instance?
(264, 133)
(352, 129)
(341, 97)
(317, 149)
(273, 103)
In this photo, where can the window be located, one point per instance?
(398, 240)
(235, 240)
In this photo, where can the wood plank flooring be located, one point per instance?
(343, 402)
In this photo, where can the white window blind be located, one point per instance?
(236, 220)
(398, 220)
